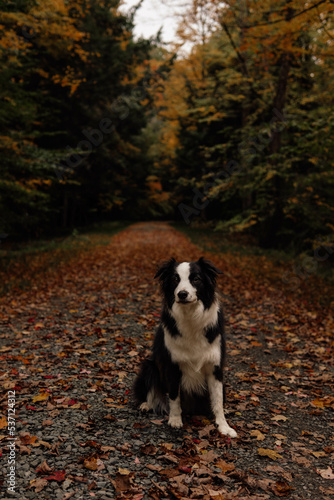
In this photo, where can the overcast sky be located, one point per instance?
(153, 15)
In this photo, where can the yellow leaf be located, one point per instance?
(265, 452)
(124, 472)
(258, 434)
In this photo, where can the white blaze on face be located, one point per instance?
(183, 270)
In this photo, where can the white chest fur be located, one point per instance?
(191, 350)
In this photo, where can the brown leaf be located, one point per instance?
(224, 466)
(148, 449)
(122, 482)
(47, 422)
(26, 438)
(169, 472)
(277, 418)
(210, 456)
(90, 463)
(3, 422)
(319, 454)
(38, 484)
(326, 473)
(281, 489)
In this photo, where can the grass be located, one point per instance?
(22, 264)
(218, 242)
(287, 272)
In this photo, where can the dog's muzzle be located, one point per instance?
(184, 297)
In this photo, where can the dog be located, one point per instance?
(185, 369)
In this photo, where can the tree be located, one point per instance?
(241, 105)
(73, 120)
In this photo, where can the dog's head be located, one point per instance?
(188, 282)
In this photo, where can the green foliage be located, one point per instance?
(71, 121)
(255, 144)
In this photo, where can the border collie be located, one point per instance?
(185, 370)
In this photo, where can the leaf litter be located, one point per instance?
(71, 345)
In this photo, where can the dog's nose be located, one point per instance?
(182, 295)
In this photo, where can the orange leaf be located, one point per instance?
(40, 397)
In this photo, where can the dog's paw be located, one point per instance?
(226, 430)
(175, 422)
(144, 407)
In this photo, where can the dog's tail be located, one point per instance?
(148, 388)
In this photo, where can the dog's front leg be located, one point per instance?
(216, 398)
(175, 419)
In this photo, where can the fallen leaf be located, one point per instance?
(277, 418)
(265, 452)
(319, 454)
(281, 488)
(326, 473)
(47, 422)
(258, 434)
(168, 473)
(90, 463)
(224, 466)
(38, 484)
(43, 468)
(41, 397)
(124, 472)
(148, 449)
(58, 475)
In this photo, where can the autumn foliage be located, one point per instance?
(231, 126)
(247, 126)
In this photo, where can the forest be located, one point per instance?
(230, 128)
(118, 152)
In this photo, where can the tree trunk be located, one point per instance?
(279, 101)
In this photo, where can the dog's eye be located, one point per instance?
(197, 279)
(176, 278)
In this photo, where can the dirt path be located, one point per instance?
(70, 347)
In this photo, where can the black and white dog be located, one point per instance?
(186, 366)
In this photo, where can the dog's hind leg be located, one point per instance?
(152, 401)
(175, 410)
(148, 390)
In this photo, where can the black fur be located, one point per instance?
(161, 373)
(191, 288)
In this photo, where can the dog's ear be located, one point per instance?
(165, 269)
(208, 268)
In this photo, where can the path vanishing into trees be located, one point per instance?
(71, 343)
